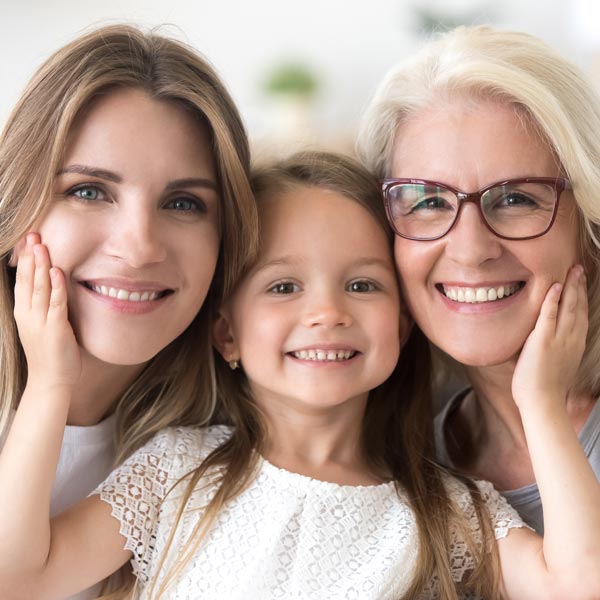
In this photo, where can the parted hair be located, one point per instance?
(32, 147)
(552, 96)
(397, 432)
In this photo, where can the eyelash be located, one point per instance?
(197, 205)
(372, 287)
(86, 186)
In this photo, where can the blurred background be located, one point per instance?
(300, 72)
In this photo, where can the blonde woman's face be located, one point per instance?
(134, 225)
(469, 149)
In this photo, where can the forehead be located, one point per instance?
(471, 145)
(309, 217)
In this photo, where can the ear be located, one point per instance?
(223, 337)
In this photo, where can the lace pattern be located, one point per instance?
(286, 536)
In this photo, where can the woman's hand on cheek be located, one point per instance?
(551, 355)
(53, 357)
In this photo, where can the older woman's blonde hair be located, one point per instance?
(31, 151)
(482, 63)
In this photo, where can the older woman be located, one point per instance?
(488, 144)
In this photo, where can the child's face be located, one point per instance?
(317, 322)
(136, 212)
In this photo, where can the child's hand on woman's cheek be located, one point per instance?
(53, 357)
(548, 363)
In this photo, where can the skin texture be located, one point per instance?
(325, 280)
(134, 224)
(325, 277)
(469, 148)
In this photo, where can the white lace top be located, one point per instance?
(286, 536)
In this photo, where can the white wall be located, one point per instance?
(350, 43)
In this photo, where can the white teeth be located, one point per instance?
(324, 355)
(120, 294)
(481, 294)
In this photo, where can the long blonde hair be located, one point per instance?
(397, 434)
(482, 63)
(31, 151)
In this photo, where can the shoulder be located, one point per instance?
(187, 441)
(501, 514)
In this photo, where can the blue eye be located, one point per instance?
(186, 204)
(361, 287)
(87, 193)
(284, 287)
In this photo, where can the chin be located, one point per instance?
(476, 357)
(118, 353)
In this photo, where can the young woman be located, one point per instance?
(321, 483)
(127, 159)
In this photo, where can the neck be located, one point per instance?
(493, 406)
(321, 443)
(100, 386)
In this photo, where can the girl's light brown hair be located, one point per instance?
(397, 435)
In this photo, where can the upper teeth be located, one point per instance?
(120, 294)
(481, 294)
(324, 354)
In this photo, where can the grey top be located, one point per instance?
(526, 500)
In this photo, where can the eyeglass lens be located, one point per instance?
(515, 210)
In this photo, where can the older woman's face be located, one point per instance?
(469, 148)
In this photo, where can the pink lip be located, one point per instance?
(131, 285)
(319, 346)
(127, 306)
(479, 308)
(479, 283)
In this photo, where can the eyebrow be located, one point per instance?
(292, 261)
(114, 177)
(92, 172)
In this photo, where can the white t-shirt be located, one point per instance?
(285, 536)
(86, 458)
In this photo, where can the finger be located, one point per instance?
(24, 276)
(41, 280)
(570, 300)
(547, 320)
(57, 310)
(580, 325)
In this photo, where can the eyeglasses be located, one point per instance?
(516, 209)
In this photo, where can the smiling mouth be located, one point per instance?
(317, 354)
(479, 295)
(127, 295)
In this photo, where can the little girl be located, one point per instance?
(320, 484)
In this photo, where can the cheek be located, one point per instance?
(66, 237)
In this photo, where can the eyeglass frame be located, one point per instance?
(560, 184)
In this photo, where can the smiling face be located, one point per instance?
(134, 225)
(474, 295)
(317, 321)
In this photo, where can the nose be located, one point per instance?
(136, 236)
(327, 309)
(470, 242)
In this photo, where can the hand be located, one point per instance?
(53, 357)
(551, 355)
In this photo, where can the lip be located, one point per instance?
(128, 306)
(131, 285)
(480, 307)
(311, 362)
